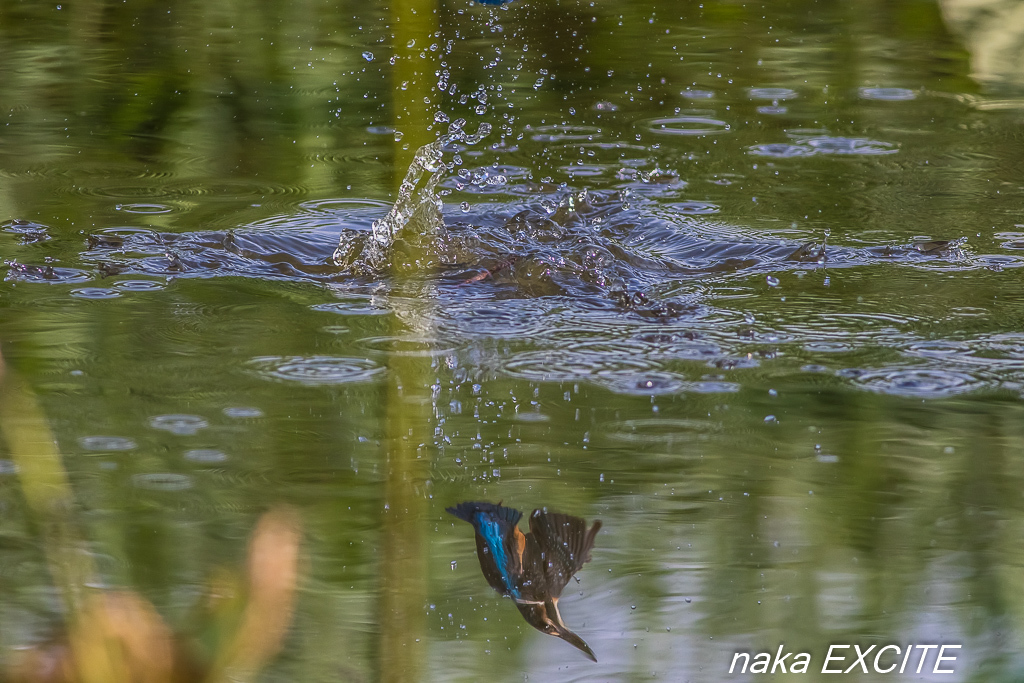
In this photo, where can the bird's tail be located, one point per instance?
(469, 510)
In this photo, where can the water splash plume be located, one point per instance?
(416, 213)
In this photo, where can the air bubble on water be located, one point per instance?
(464, 206)
(368, 56)
(772, 281)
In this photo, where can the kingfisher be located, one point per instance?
(531, 568)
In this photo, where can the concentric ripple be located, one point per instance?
(182, 425)
(912, 382)
(823, 144)
(660, 431)
(206, 455)
(781, 150)
(162, 481)
(688, 125)
(106, 443)
(893, 94)
(642, 384)
(243, 412)
(353, 304)
(139, 285)
(506, 321)
(316, 370)
(1000, 352)
(408, 346)
(95, 293)
(343, 206)
(144, 208)
(694, 208)
(771, 94)
(565, 133)
(563, 365)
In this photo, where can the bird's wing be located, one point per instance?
(558, 547)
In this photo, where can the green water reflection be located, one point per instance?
(770, 498)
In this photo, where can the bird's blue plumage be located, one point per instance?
(496, 528)
(494, 536)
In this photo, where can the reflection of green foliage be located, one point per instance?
(277, 98)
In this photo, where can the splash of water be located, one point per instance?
(416, 211)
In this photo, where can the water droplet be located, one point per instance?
(368, 56)
(455, 564)
(772, 281)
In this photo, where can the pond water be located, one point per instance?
(742, 281)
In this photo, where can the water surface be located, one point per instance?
(740, 282)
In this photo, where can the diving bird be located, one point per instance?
(531, 568)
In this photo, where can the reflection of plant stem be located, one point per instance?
(402, 559)
(272, 576)
(45, 486)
